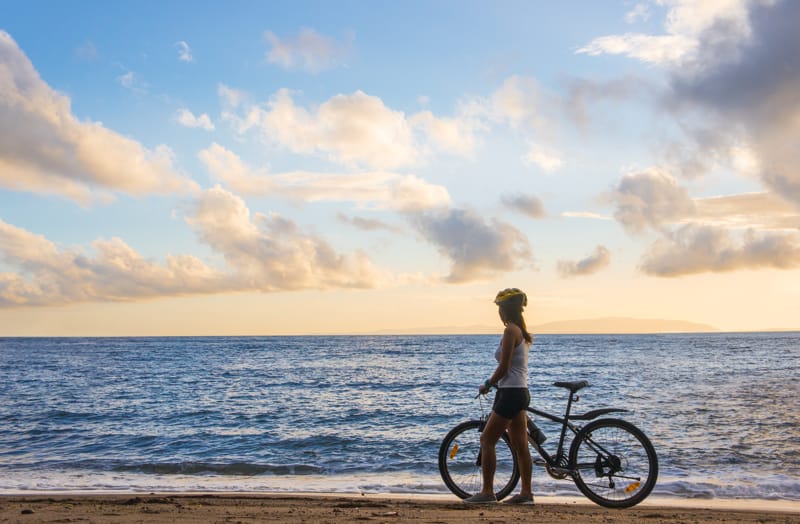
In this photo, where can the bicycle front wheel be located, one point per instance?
(460, 461)
(614, 463)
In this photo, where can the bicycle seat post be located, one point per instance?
(569, 405)
(573, 388)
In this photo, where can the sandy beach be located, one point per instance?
(243, 508)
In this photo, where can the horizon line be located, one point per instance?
(390, 333)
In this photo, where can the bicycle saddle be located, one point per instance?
(572, 386)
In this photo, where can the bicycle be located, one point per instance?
(611, 461)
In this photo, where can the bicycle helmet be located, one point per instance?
(508, 294)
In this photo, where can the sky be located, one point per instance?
(334, 167)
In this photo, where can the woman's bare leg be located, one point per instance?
(518, 433)
(492, 432)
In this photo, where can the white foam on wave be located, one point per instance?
(772, 487)
(768, 487)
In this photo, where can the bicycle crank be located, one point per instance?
(559, 472)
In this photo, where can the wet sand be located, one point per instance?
(316, 508)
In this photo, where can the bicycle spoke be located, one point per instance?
(460, 462)
(614, 463)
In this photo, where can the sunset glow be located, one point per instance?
(259, 168)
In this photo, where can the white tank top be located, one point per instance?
(517, 376)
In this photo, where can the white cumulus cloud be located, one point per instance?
(686, 20)
(269, 252)
(547, 160)
(380, 189)
(187, 119)
(49, 275)
(44, 148)
(356, 129)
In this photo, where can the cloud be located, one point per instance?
(639, 12)
(187, 119)
(307, 51)
(132, 83)
(668, 49)
(529, 205)
(231, 99)
(366, 224)
(761, 211)
(547, 160)
(581, 93)
(184, 51)
(751, 96)
(732, 90)
(701, 151)
(521, 102)
(51, 276)
(452, 135)
(699, 249)
(711, 234)
(529, 110)
(359, 130)
(650, 199)
(262, 253)
(406, 193)
(355, 129)
(476, 250)
(126, 80)
(86, 52)
(686, 21)
(585, 214)
(45, 149)
(271, 253)
(598, 260)
(736, 90)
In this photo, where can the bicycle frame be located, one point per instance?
(557, 463)
(611, 461)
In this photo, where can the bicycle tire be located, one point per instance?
(459, 461)
(613, 463)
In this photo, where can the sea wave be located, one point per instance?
(250, 478)
(344, 414)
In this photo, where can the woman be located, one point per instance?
(508, 411)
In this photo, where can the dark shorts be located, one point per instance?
(510, 401)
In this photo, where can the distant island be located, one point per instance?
(599, 326)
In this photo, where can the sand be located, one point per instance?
(315, 508)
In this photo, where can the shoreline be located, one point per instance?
(765, 505)
(130, 507)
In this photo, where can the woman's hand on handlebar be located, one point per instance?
(485, 388)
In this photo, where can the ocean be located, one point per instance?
(367, 413)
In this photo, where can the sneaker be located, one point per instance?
(480, 498)
(520, 500)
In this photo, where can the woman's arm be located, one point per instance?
(511, 339)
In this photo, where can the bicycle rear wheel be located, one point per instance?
(614, 463)
(460, 461)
